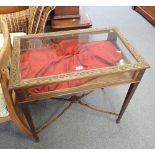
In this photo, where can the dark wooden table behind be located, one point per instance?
(148, 12)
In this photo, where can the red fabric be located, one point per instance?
(65, 57)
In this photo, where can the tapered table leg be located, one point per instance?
(28, 117)
(128, 97)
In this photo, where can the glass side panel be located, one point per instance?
(77, 85)
(47, 56)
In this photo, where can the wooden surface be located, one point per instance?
(63, 12)
(147, 12)
(72, 23)
(11, 9)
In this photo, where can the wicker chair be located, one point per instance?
(30, 20)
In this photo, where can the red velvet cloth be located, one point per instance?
(67, 56)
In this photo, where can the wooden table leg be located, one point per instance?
(128, 97)
(28, 117)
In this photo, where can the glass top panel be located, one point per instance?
(53, 55)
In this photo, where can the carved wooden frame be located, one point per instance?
(16, 83)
